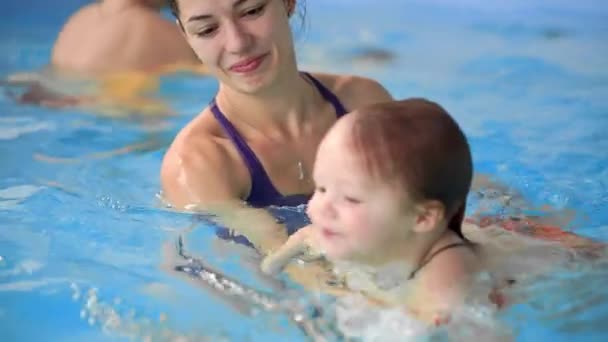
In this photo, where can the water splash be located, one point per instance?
(116, 318)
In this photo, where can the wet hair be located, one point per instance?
(174, 8)
(418, 145)
(292, 4)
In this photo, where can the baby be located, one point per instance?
(391, 184)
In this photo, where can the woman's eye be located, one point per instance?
(206, 32)
(254, 11)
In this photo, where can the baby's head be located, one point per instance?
(386, 172)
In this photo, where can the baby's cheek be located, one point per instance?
(362, 230)
(378, 232)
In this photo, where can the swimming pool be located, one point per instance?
(82, 233)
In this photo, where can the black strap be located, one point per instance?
(427, 260)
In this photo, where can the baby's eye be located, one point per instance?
(320, 189)
(256, 11)
(352, 200)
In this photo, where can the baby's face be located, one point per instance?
(358, 217)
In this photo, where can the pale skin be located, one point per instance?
(280, 114)
(119, 36)
(365, 221)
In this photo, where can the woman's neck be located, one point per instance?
(283, 109)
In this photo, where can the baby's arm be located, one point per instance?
(297, 245)
(315, 274)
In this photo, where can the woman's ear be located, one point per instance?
(290, 5)
(429, 215)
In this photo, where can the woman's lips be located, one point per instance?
(248, 65)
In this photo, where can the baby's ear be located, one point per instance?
(429, 215)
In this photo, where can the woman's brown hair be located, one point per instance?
(291, 7)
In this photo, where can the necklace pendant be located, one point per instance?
(300, 170)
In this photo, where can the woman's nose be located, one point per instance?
(238, 40)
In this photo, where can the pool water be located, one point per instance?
(84, 238)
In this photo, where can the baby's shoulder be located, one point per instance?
(451, 269)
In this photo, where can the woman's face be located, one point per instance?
(246, 44)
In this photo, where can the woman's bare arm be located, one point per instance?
(203, 180)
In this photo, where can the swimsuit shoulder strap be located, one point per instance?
(435, 253)
(327, 94)
(259, 178)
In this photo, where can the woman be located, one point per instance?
(254, 145)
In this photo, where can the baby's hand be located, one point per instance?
(299, 245)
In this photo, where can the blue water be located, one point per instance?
(528, 82)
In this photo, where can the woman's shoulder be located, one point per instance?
(201, 130)
(201, 138)
(354, 91)
(201, 157)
